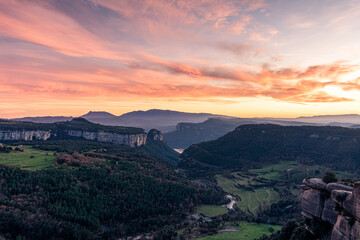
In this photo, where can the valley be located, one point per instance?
(179, 120)
(241, 186)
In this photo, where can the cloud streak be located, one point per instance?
(166, 50)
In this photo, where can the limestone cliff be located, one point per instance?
(155, 135)
(132, 140)
(332, 211)
(76, 128)
(24, 135)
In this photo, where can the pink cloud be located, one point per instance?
(151, 49)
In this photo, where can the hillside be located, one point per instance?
(255, 145)
(93, 191)
(156, 146)
(187, 134)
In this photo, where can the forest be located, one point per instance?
(252, 146)
(111, 191)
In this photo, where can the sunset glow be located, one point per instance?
(247, 58)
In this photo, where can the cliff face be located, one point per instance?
(24, 135)
(132, 140)
(155, 135)
(332, 211)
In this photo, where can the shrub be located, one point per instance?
(329, 177)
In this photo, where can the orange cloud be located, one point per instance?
(151, 49)
(157, 78)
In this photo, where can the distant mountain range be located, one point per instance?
(181, 129)
(163, 120)
(213, 128)
(47, 119)
(344, 120)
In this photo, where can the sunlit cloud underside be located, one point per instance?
(241, 58)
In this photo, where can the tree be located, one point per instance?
(329, 177)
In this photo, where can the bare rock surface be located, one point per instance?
(316, 183)
(132, 140)
(333, 204)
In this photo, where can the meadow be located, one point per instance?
(29, 158)
(257, 187)
(211, 210)
(244, 231)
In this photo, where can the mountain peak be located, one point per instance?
(79, 120)
(98, 114)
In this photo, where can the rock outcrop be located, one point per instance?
(76, 128)
(132, 140)
(155, 135)
(332, 211)
(24, 135)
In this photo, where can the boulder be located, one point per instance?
(329, 214)
(318, 203)
(312, 202)
(355, 231)
(356, 195)
(316, 183)
(337, 235)
(346, 229)
(349, 206)
(304, 187)
(337, 186)
(340, 196)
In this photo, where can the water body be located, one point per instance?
(179, 150)
(232, 202)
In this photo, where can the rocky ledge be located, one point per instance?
(132, 140)
(7, 135)
(332, 211)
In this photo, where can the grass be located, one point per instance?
(246, 231)
(211, 210)
(249, 200)
(275, 171)
(255, 185)
(40, 159)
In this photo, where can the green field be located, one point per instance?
(249, 200)
(245, 231)
(211, 210)
(29, 159)
(253, 188)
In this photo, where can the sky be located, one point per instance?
(245, 58)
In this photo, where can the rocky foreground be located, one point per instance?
(332, 211)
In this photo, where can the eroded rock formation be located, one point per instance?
(9, 135)
(155, 135)
(132, 140)
(332, 211)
